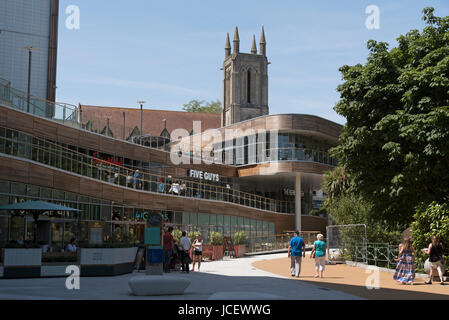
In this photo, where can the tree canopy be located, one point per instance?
(203, 106)
(395, 145)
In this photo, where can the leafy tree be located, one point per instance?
(202, 106)
(432, 220)
(336, 182)
(395, 145)
(345, 207)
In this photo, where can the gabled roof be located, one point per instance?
(153, 120)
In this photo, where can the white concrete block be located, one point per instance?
(22, 257)
(54, 271)
(158, 285)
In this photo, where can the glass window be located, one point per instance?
(4, 186)
(234, 225)
(193, 219)
(3, 228)
(213, 220)
(227, 226)
(203, 219)
(45, 193)
(33, 191)
(18, 189)
(185, 218)
(178, 218)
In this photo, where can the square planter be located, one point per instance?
(213, 252)
(22, 263)
(217, 252)
(240, 250)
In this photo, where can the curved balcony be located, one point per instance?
(54, 155)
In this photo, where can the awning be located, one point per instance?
(37, 206)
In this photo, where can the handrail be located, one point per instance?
(66, 112)
(120, 175)
(293, 154)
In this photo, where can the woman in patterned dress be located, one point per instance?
(405, 267)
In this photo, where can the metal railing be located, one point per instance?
(17, 99)
(277, 242)
(71, 115)
(376, 254)
(228, 156)
(57, 156)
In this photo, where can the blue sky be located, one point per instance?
(170, 52)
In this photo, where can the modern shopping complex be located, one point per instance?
(119, 165)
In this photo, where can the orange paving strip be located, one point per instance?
(352, 280)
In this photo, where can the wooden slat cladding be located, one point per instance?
(52, 130)
(19, 170)
(67, 135)
(3, 116)
(39, 174)
(283, 167)
(310, 223)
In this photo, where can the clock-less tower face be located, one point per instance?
(245, 84)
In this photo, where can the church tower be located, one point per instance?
(245, 81)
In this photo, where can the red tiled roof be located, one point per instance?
(152, 119)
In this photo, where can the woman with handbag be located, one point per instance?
(319, 254)
(435, 252)
(197, 251)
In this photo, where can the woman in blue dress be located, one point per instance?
(405, 267)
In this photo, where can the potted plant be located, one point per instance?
(240, 243)
(177, 234)
(216, 240)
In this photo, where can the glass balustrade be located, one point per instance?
(21, 145)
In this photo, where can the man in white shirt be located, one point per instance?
(186, 244)
(174, 188)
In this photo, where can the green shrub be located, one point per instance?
(22, 246)
(192, 235)
(431, 220)
(108, 245)
(59, 257)
(177, 234)
(215, 238)
(240, 238)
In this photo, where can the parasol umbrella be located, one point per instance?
(37, 208)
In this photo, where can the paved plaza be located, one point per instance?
(352, 280)
(228, 279)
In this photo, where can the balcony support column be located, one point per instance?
(298, 192)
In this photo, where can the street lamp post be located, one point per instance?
(30, 53)
(141, 119)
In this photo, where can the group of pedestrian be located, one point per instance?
(171, 250)
(297, 251)
(405, 267)
(177, 188)
(134, 180)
